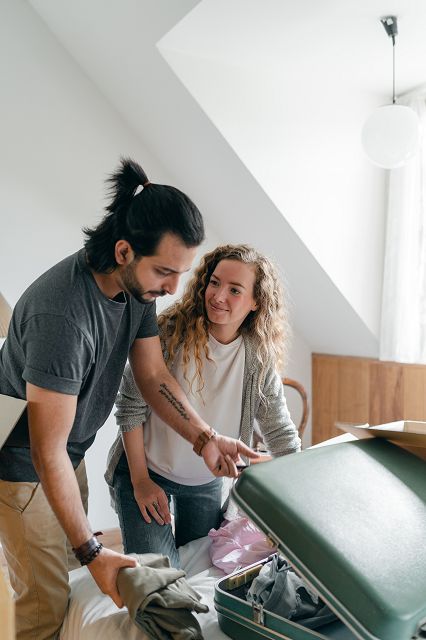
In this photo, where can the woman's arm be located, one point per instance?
(150, 497)
(132, 410)
(166, 397)
(277, 428)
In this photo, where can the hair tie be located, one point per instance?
(141, 187)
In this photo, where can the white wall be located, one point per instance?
(264, 81)
(151, 97)
(299, 367)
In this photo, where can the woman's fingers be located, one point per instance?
(153, 502)
(164, 510)
(144, 513)
(154, 510)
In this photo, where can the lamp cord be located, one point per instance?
(393, 70)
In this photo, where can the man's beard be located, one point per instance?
(132, 286)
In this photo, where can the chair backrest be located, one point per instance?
(288, 382)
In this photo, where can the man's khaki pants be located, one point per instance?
(35, 547)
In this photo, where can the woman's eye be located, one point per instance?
(214, 283)
(235, 292)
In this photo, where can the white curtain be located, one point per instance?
(403, 324)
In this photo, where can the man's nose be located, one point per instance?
(171, 284)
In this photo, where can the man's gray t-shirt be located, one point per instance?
(67, 336)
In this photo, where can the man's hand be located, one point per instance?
(104, 569)
(222, 454)
(151, 498)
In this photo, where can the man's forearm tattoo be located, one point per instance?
(165, 391)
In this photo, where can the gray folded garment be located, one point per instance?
(280, 590)
(159, 599)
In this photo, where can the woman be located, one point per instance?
(224, 342)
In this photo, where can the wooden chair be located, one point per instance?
(288, 382)
(258, 443)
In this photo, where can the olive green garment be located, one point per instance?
(159, 599)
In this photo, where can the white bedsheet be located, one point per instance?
(92, 615)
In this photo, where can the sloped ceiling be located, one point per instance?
(114, 43)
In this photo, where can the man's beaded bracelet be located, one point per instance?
(89, 550)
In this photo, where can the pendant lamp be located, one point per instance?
(391, 134)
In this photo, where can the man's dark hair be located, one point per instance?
(140, 212)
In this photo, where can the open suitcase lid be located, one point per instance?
(351, 518)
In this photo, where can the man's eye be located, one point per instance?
(161, 272)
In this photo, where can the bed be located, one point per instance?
(92, 615)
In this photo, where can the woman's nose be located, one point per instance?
(220, 294)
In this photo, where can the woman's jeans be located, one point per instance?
(197, 509)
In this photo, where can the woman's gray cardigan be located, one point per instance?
(276, 426)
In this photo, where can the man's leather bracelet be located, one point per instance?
(202, 440)
(89, 550)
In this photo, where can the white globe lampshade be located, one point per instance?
(391, 135)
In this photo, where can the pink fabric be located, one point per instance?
(238, 543)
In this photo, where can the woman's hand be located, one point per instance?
(152, 500)
(222, 454)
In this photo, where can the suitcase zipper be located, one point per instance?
(258, 615)
(275, 542)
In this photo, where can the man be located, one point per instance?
(69, 339)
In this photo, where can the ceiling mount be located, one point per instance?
(390, 24)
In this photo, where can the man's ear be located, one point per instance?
(123, 252)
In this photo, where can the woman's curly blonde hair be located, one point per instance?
(186, 322)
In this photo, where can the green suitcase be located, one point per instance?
(351, 519)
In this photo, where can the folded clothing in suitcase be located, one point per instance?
(275, 593)
(351, 519)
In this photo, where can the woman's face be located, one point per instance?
(229, 298)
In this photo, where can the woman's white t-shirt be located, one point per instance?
(219, 404)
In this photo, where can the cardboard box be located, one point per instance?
(408, 434)
(11, 410)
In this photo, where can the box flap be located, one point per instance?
(10, 411)
(351, 518)
(408, 434)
